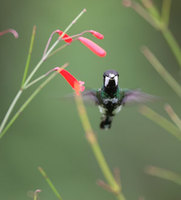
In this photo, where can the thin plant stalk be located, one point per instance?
(10, 30)
(174, 117)
(159, 22)
(152, 11)
(52, 47)
(115, 187)
(165, 14)
(143, 13)
(29, 56)
(162, 71)
(172, 44)
(43, 76)
(35, 197)
(164, 174)
(162, 23)
(58, 49)
(43, 173)
(35, 81)
(25, 104)
(161, 121)
(12, 105)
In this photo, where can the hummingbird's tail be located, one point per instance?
(106, 122)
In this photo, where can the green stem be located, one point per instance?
(29, 56)
(43, 76)
(74, 21)
(36, 194)
(43, 173)
(96, 149)
(52, 47)
(12, 105)
(174, 117)
(58, 49)
(35, 81)
(161, 23)
(173, 44)
(25, 83)
(166, 5)
(161, 121)
(153, 11)
(10, 110)
(164, 174)
(162, 71)
(144, 13)
(26, 104)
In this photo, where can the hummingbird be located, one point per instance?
(111, 98)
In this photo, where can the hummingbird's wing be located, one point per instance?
(91, 96)
(136, 96)
(88, 96)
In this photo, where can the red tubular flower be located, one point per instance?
(97, 34)
(74, 83)
(66, 37)
(93, 46)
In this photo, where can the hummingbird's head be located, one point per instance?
(110, 79)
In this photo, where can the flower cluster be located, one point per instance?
(78, 86)
(99, 51)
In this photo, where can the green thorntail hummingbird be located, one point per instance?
(111, 98)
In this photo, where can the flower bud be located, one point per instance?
(99, 51)
(97, 34)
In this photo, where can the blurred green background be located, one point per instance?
(49, 132)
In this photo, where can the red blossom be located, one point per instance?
(93, 46)
(74, 83)
(97, 34)
(66, 37)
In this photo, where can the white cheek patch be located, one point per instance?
(106, 81)
(116, 80)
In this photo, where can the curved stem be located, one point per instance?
(25, 83)
(173, 44)
(52, 47)
(162, 71)
(164, 174)
(115, 187)
(161, 121)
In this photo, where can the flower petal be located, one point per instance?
(66, 37)
(97, 34)
(93, 46)
(73, 82)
